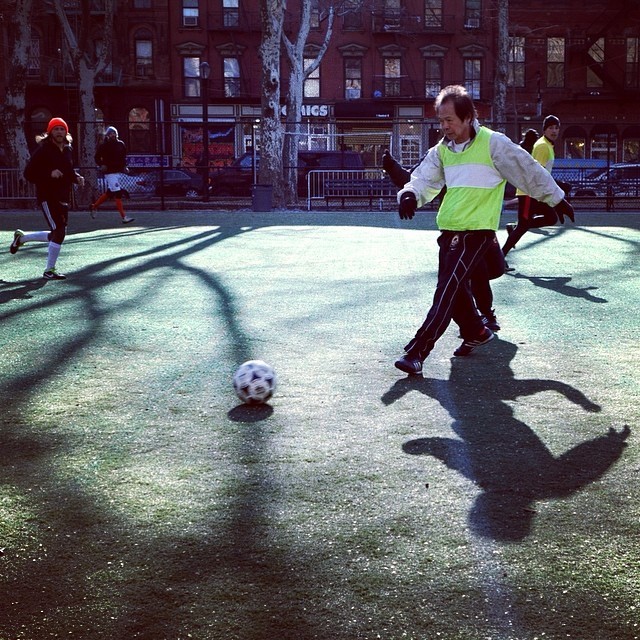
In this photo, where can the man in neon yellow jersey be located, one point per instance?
(474, 163)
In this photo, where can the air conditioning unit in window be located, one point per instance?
(472, 23)
(189, 21)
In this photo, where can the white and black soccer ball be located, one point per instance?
(254, 381)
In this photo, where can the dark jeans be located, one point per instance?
(460, 254)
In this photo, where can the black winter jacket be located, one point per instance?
(46, 158)
(113, 155)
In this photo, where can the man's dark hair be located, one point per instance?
(462, 102)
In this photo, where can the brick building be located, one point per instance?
(374, 89)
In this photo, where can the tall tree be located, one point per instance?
(297, 75)
(87, 61)
(502, 65)
(12, 113)
(271, 130)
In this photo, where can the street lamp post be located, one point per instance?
(205, 70)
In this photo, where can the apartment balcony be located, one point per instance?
(58, 77)
(399, 21)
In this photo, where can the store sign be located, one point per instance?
(310, 110)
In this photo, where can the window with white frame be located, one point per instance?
(312, 82)
(473, 76)
(352, 78)
(191, 76)
(144, 55)
(231, 74)
(472, 14)
(603, 144)
(231, 13)
(392, 76)
(432, 77)
(190, 13)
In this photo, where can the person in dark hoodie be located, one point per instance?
(111, 157)
(50, 168)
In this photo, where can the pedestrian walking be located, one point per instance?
(474, 163)
(111, 157)
(50, 168)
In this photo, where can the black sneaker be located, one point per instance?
(490, 321)
(52, 274)
(507, 267)
(509, 227)
(127, 220)
(15, 244)
(409, 364)
(468, 346)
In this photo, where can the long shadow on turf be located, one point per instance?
(500, 454)
(560, 284)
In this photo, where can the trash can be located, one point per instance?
(262, 197)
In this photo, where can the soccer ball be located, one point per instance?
(254, 381)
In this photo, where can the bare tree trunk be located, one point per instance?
(12, 113)
(502, 66)
(295, 97)
(271, 130)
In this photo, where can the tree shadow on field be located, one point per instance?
(560, 284)
(500, 454)
(19, 290)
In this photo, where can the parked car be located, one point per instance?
(237, 178)
(172, 182)
(619, 180)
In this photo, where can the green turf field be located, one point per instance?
(496, 497)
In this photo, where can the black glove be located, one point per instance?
(408, 206)
(563, 208)
(399, 176)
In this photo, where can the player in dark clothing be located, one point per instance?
(50, 168)
(111, 157)
(491, 267)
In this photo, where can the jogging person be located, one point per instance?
(474, 163)
(50, 168)
(111, 157)
(533, 214)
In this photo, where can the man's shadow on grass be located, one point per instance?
(560, 284)
(500, 454)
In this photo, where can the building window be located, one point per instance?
(352, 78)
(391, 14)
(191, 77)
(33, 66)
(391, 77)
(555, 62)
(595, 68)
(515, 72)
(190, 13)
(433, 14)
(472, 14)
(574, 147)
(352, 15)
(472, 76)
(231, 13)
(144, 58)
(432, 77)
(632, 68)
(140, 131)
(410, 149)
(314, 20)
(231, 73)
(142, 4)
(603, 144)
(631, 148)
(312, 82)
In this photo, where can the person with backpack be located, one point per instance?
(50, 168)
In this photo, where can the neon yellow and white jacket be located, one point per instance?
(475, 178)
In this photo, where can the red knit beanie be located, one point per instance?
(57, 122)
